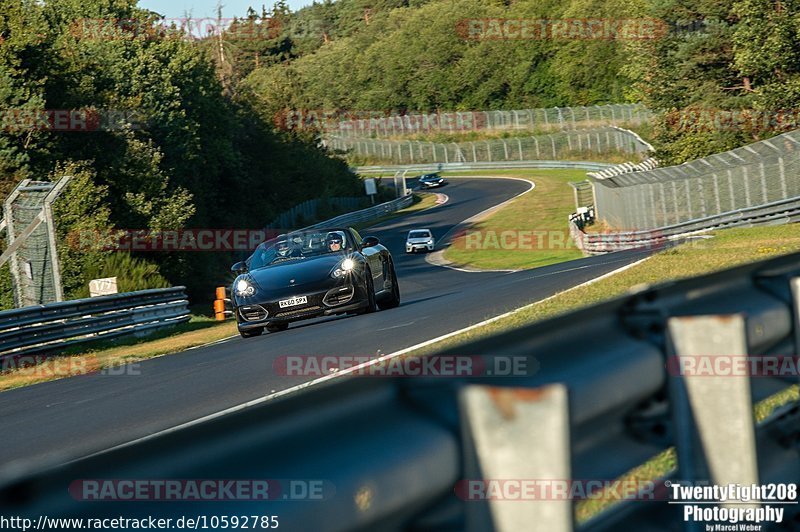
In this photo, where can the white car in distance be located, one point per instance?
(420, 239)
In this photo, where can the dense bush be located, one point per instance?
(195, 156)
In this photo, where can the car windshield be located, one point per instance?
(300, 246)
(419, 234)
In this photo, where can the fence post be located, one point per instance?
(716, 193)
(782, 174)
(675, 202)
(746, 187)
(701, 191)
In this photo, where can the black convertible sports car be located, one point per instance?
(312, 273)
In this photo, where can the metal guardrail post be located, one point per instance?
(712, 414)
(516, 434)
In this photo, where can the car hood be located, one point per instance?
(296, 272)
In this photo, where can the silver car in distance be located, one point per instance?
(419, 239)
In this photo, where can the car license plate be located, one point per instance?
(293, 302)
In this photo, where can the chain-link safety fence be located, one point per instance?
(556, 146)
(554, 118)
(752, 175)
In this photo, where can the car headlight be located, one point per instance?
(344, 268)
(244, 288)
(430, 242)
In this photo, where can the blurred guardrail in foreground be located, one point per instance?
(42, 329)
(542, 118)
(397, 452)
(561, 145)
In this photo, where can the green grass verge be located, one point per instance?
(529, 232)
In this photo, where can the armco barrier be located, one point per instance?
(600, 400)
(368, 214)
(41, 329)
(450, 167)
(775, 213)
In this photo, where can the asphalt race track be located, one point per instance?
(69, 418)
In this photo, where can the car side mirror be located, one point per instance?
(369, 241)
(239, 268)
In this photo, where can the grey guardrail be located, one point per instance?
(448, 167)
(599, 400)
(774, 213)
(42, 329)
(368, 214)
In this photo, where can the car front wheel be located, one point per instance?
(393, 300)
(370, 289)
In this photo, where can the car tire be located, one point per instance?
(392, 301)
(370, 289)
(251, 333)
(278, 327)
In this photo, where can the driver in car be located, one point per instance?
(282, 248)
(334, 242)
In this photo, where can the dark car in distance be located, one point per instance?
(312, 273)
(431, 181)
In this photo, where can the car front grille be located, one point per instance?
(298, 312)
(253, 313)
